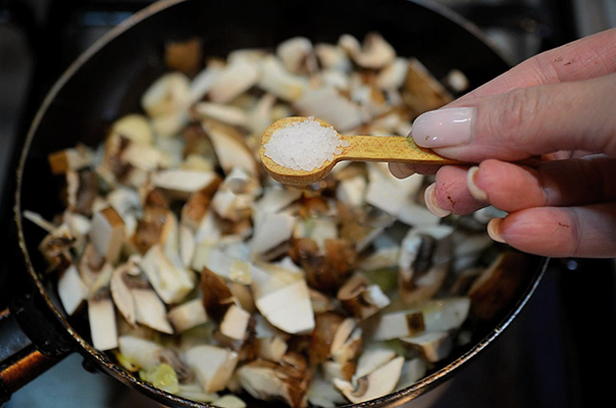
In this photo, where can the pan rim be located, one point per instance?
(399, 397)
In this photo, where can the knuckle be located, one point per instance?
(516, 116)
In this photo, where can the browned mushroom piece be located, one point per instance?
(72, 159)
(56, 246)
(323, 335)
(422, 92)
(379, 382)
(150, 226)
(107, 233)
(184, 56)
(498, 284)
(361, 226)
(197, 204)
(360, 298)
(217, 297)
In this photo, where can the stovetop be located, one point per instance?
(551, 356)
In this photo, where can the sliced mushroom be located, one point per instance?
(150, 310)
(297, 55)
(56, 246)
(72, 159)
(360, 226)
(217, 297)
(425, 255)
(321, 303)
(434, 346)
(352, 191)
(331, 106)
(234, 324)
(197, 205)
(332, 57)
(375, 53)
(346, 347)
(102, 322)
(283, 299)
(170, 281)
(71, 289)
(380, 382)
(184, 56)
(370, 360)
(272, 230)
(143, 157)
(238, 76)
(399, 324)
(389, 193)
(360, 298)
(213, 366)
(229, 401)
(230, 148)
(38, 219)
(392, 76)
(260, 116)
(275, 199)
(267, 380)
(183, 181)
(122, 295)
(230, 115)
(187, 315)
(134, 127)
(498, 284)
(276, 80)
(203, 82)
(326, 326)
(322, 393)
(422, 92)
(382, 258)
(271, 348)
(107, 233)
(144, 353)
(167, 96)
(412, 371)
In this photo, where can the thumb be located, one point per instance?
(525, 122)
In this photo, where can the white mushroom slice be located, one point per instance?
(412, 371)
(203, 82)
(380, 382)
(124, 201)
(144, 353)
(260, 117)
(322, 393)
(375, 53)
(235, 323)
(422, 91)
(434, 346)
(231, 115)
(393, 75)
(271, 348)
(457, 81)
(335, 79)
(167, 96)
(275, 199)
(71, 289)
(169, 125)
(371, 359)
(79, 227)
(276, 80)
(266, 380)
(229, 401)
(186, 245)
(332, 57)
(107, 233)
(143, 156)
(296, 55)
(150, 310)
(343, 332)
(38, 219)
(389, 193)
(417, 216)
(122, 295)
(169, 281)
(320, 302)
(208, 232)
(399, 324)
(213, 366)
(271, 231)
(212, 257)
(187, 315)
(72, 159)
(102, 323)
(329, 105)
(285, 305)
(183, 181)
(134, 127)
(230, 148)
(361, 299)
(238, 76)
(352, 191)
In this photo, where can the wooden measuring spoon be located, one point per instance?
(360, 148)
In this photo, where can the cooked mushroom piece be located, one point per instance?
(107, 233)
(332, 57)
(144, 353)
(271, 348)
(122, 295)
(272, 230)
(238, 76)
(229, 401)
(234, 324)
(213, 366)
(326, 326)
(184, 182)
(276, 80)
(231, 150)
(412, 371)
(297, 56)
(72, 159)
(380, 382)
(102, 322)
(422, 92)
(187, 315)
(375, 53)
(230, 115)
(392, 76)
(71, 289)
(203, 82)
(360, 298)
(167, 96)
(331, 106)
(399, 324)
(434, 346)
(184, 56)
(170, 281)
(322, 393)
(150, 310)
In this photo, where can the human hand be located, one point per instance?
(560, 105)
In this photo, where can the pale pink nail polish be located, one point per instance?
(494, 230)
(430, 199)
(475, 191)
(443, 127)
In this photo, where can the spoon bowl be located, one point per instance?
(357, 148)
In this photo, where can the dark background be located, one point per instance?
(558, 353)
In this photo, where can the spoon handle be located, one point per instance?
(389, 148)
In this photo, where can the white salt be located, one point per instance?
(304, 145)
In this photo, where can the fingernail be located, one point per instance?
(400, 170)
(475, 191)
(430, 199)
(494, 230)
(443, 127)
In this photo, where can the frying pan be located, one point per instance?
(107, 81)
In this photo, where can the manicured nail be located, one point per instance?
(475, 191)
(494, 230)
(443, 127)
(430, 199)
(400, 170)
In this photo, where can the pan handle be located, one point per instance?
(21, 360)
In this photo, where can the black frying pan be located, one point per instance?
(107, 81)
